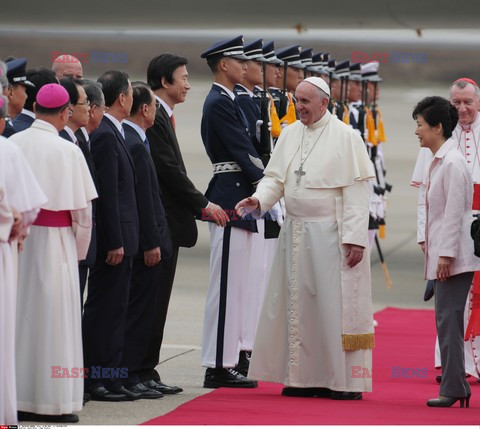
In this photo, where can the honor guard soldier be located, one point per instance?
(256, 109)
(341, 75)
(271, 78)
(374, 136)
(306, 60)
(17, 92)
(244, 92)
(237, 168)
(291, 74)
(354, 98)
(316, 65)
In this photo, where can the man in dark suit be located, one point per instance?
(97, 109)
(105, 310)
(80, 108)
(155, 242)
(237, 169)
(38, 76)
(168, 77)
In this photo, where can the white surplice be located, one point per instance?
(48, 327)
(316, 307)
(8, 400)
(24, 194)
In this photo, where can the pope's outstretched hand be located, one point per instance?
(247, 205)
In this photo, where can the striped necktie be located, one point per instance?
(147, 144)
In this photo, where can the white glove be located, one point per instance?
(258, 127)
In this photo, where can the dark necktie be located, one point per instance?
(147, 144)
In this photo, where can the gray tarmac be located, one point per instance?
(180, 357)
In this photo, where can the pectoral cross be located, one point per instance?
(299, 173)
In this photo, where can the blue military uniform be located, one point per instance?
(16, 75)
(237, 168)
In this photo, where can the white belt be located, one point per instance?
(226, 167)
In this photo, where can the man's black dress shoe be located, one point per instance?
(61, 418)
(226, 377)
(124, 391)
(307, 392)
(162, 388)
(102, 394)
(243, 362)
(347, 396)
(145, 392)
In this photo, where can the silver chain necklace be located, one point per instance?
(301, 172)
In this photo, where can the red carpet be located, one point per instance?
(404, 338)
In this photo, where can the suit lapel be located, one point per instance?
(120, 139)
(172, 136)
(130, 130)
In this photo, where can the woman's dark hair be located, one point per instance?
(437, 110)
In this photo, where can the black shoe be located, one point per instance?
(243, 362)
(226, 377)
(145, 392)
(162, 388)
(103, 394)
(438, 379)
(124, 391)
(86, 398)
(307, 392)
(448, 401)
(347, 396)
(61, 418)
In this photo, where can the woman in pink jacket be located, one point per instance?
(448, 247)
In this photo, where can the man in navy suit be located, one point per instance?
(79, 106)
(39, 76)
(237, 169)
(79, 118)
(105, 310)
(155, 242)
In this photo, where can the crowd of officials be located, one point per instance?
(102, 204)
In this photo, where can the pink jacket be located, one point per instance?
(449, 212)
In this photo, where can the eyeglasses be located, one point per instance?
(87, 103)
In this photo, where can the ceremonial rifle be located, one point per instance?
(339, 109)
(265, 136)
(386, 273)
(282, 110)
(361, 113)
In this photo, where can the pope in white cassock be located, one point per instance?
(315, 333)
(48, 327)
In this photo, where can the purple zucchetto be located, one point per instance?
(52, 96)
